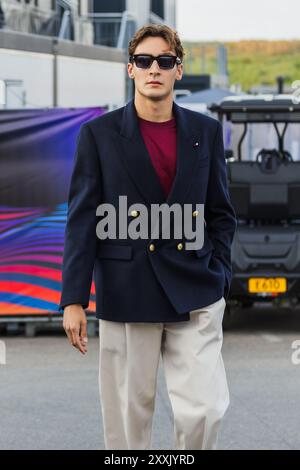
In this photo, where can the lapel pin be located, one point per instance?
(196, 144)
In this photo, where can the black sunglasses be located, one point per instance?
(144, 61)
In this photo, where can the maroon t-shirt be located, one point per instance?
(160, 140)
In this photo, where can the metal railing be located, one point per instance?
(105, 29)
(29, 19)
(108, 29)
(154, 18)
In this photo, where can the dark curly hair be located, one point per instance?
(157, 30)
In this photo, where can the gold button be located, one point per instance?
(195, 213)
(179, 246)
(152, 247)
(134, 213)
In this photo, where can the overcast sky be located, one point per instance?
(238, 19)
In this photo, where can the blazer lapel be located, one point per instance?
(137, 159)
(138, 162)
(188, 146)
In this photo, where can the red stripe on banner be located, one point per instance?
(38, 292)
(45, 273)
(7, 308)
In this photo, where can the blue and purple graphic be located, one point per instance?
(37, 148)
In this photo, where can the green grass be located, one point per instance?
(248, 63)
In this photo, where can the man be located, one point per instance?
(153, 296)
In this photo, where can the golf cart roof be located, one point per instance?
(259, 108)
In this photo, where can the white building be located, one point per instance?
(71, 53)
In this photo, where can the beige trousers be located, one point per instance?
(194, 371)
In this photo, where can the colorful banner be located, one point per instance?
(36, 159)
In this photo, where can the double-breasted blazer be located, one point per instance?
(147, 280)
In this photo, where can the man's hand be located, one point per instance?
(74, 324)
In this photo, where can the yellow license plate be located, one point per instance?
(267, 284)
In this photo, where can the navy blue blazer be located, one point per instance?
(132, 282)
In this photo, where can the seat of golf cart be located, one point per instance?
(268, 188)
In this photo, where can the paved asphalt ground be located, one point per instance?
(49, 391)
